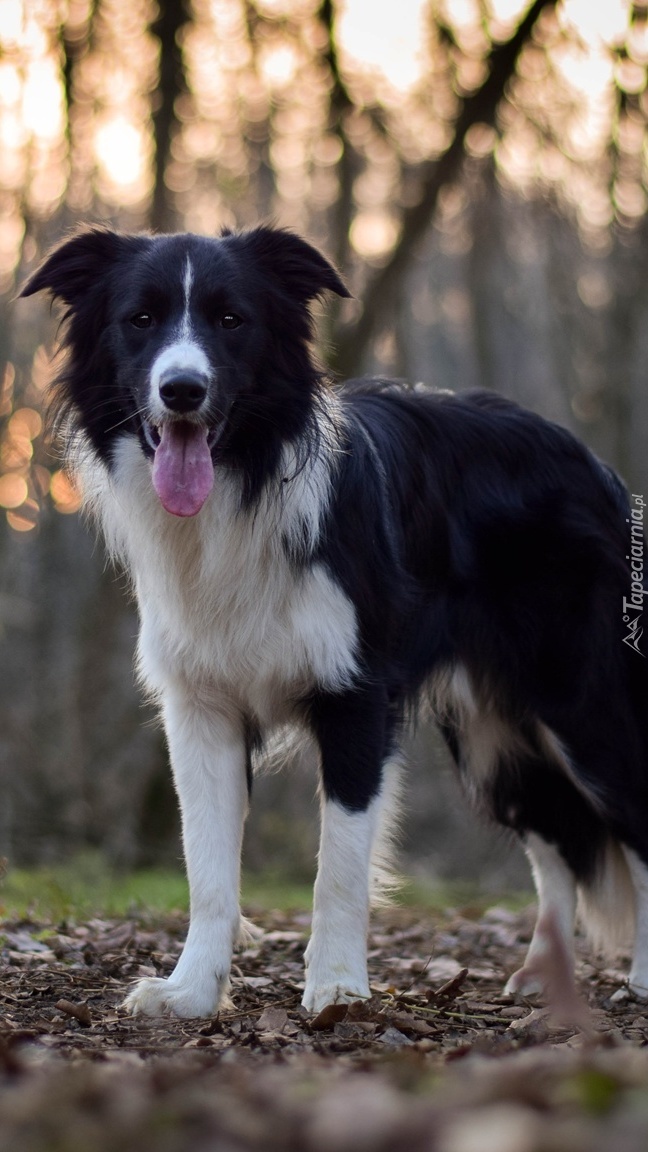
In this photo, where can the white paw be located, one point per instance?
(638, 985)
(153, 996)
(318, 996)
(524, 982)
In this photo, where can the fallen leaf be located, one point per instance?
(450, 990)
(272, 1020)
(330, 1015)
(80, 1012)
(393, 1038)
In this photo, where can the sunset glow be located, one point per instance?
(387, 44)
(121, 156)
(385, 40)
(255, 111)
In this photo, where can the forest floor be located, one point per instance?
(439, 1059)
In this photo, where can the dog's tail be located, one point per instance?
(607, 905)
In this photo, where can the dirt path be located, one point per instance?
(438, 1059)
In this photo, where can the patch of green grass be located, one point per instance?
(273, 891)
(87, 887)
(467, 897)
(594, 1089)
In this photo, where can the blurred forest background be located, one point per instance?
(478, 171)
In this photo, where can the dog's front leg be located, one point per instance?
(208, 759)
(336, 956)
(353, 740)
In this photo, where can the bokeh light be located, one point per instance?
(261, 127)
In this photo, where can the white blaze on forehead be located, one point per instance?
(184, 354)
(187, 284)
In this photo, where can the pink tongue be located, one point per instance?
(183, 473)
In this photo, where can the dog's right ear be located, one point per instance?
(77, 265)
(301, 270)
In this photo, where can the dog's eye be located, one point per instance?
(230, 320)
(141, 320)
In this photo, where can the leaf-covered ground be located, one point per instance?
(439, 1059)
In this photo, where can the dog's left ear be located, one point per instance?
(78, 264)
(300, 268)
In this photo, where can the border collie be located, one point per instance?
(327, 557)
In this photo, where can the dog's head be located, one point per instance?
(199, 347)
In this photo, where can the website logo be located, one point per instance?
(633, 605)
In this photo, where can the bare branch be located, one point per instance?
(480, 107)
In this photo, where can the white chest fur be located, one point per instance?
(221, 605)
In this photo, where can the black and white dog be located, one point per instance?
(325, 557)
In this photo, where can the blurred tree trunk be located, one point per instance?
(172, 15)
(341, 105)
(348, 166)
(480, 107)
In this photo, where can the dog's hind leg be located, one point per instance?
(638, 980)
(357, 796)
(208, 756)
(565, 840)
(556, 889)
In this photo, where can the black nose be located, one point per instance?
(184, 392)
